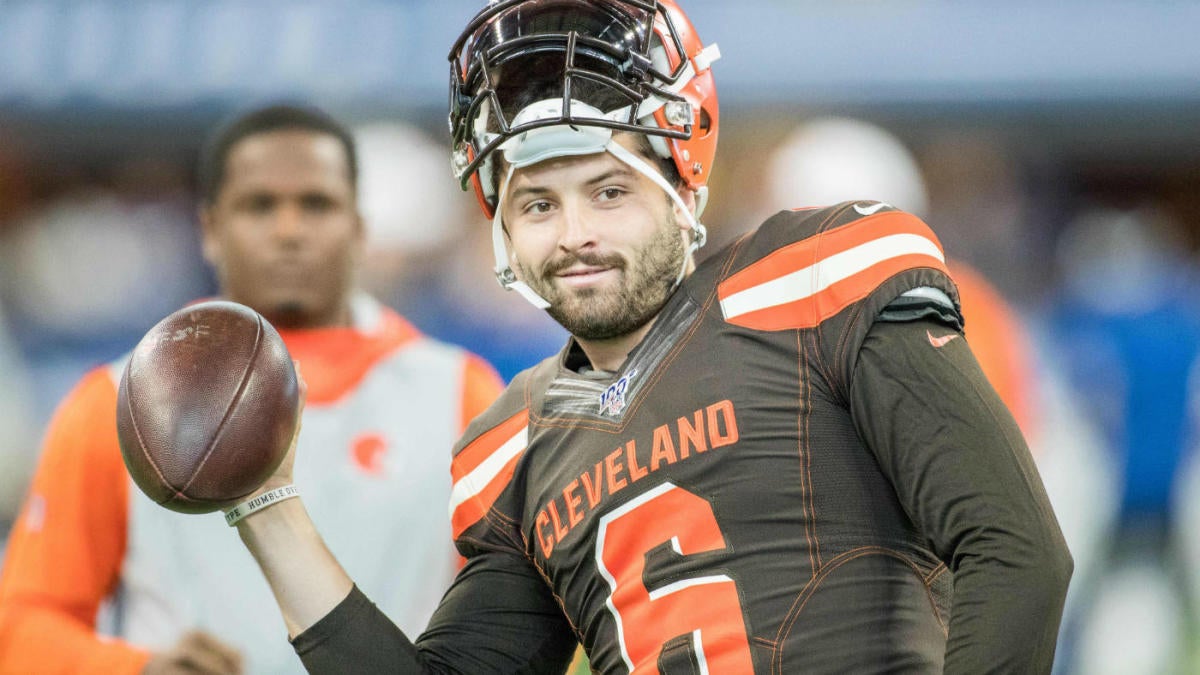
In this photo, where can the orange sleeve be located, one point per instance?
(482, 385)
(998, 340)
(65, 550)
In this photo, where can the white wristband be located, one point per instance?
(232, 516)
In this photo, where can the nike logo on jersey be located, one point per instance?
(939, 342)
(872, 209)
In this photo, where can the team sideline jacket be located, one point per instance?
(385, 405)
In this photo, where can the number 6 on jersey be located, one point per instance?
(702, 612)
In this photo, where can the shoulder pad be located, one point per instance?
(803, 267)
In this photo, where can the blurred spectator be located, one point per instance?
(18, 445)
(831, 159)
(17, 425)
(1129, 315)
(1129, 312)
(90, 272)
(430, 254)
(412, 211)
(1186, 527)
(15, 174)
(982, 210)
(98, 578)
(80, 277)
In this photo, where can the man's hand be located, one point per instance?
(306, 579)
(283, 473)
(196, 653)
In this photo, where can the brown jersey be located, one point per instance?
(743, 496)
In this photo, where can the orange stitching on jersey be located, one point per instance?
(811, 588)
(562, 605)
(507, 519)
(937, 572)
(819, 332)
(818, 361)
(492, 515)
(524, 552)
(815, 348)
(937, 613)
(806, 487)
(733, 251)
(482, 543)
(812, 489)
(843, 341)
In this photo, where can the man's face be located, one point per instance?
(596, 239)
(284, 233)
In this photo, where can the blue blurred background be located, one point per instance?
(1054, 147)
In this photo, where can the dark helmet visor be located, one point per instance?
(606, 28)
(516, 52)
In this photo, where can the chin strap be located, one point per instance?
(504, 272)
(699, 232)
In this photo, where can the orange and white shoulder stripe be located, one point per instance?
(802, 284)
(482, 470)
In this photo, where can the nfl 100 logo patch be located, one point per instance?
(612, 400)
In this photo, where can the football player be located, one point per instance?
(782, 460)
(99, 579)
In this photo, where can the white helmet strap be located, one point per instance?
(699, 232)
(504, 273)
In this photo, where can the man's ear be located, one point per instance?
(688, 196)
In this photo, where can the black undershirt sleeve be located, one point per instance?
(964, 474)
(356, 637)
(498, 617)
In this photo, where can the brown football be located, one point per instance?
(207, 407)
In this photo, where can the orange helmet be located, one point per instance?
(616, 65)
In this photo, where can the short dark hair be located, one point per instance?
(214, 155)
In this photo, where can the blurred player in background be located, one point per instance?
(282, 229)
(1128, 315)
(428, 256)
(16, 433)
(784, 459)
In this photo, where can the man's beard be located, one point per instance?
(603, 313)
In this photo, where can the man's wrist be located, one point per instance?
(260, 502)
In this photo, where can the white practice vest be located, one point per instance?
(373, 469)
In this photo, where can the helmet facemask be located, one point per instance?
(537, 79)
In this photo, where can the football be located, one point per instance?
(207, 407)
